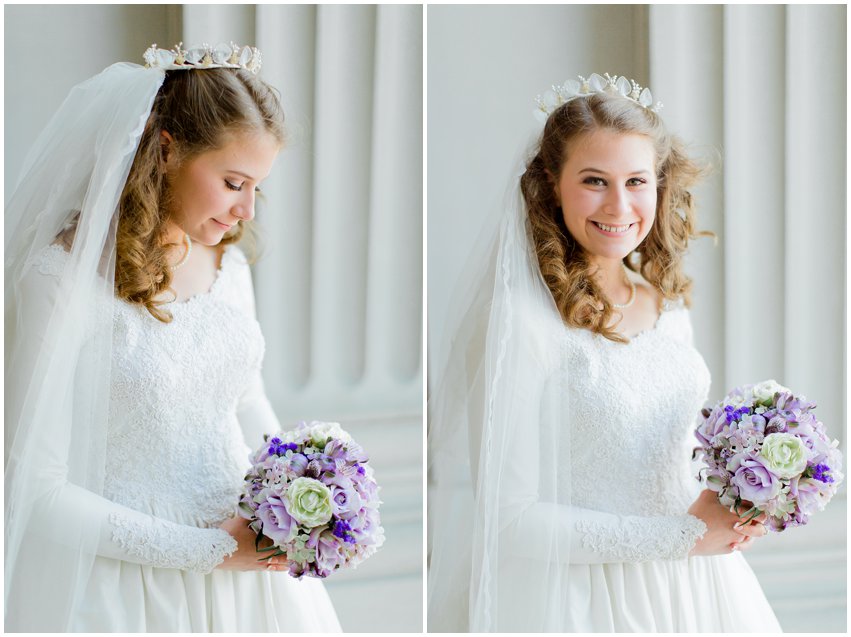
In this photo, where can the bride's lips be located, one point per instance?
(609, 233)
(223, 226)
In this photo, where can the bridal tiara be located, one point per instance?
(221, 56)
(611, 84)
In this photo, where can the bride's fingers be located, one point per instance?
(754, 529)
(277, 564)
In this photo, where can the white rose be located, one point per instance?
(764, 391)
(784, 455)
(321, 431)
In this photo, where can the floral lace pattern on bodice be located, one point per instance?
(634, 407)
(175, 448)
(176, 455)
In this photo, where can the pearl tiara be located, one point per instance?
(613, 85)
(222, 56)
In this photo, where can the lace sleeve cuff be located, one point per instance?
(636, 539)
(169, 545)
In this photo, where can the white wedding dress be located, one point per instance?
(631, 481)
(187, 407)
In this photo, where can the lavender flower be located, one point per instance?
(822, 472)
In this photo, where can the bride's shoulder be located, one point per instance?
(49, 260)
(540, 326)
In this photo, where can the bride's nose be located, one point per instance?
(244, 208)
(617, 202)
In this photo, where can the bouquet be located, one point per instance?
(312, 493)
(765, 451)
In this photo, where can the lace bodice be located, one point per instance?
(633, 408)
(182, 396)
(175, 447)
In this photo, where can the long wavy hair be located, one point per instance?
(565, 266)
(200, 109)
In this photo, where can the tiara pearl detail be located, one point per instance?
(611, 84)
(222, 56)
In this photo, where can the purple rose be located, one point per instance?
(330, 553)
(278, 524)
(808, 494)
(755, 482)
(296, 466)
(345, 500)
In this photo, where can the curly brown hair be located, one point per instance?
(200, 109)
(565, 266)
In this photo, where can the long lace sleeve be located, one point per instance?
(599, 537)
(114, 531)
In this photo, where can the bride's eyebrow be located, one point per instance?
(603, 172)
(241, 174)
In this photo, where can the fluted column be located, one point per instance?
(344, 58)
(814, 247)
(287, 36)
(215, 23)
(754, 222)
(394, 295)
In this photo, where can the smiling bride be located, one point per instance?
(562, 429)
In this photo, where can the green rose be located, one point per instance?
(784, 454)
(309, 502)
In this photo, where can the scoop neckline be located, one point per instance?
(648, 330)
(667, 308)
(195, 298)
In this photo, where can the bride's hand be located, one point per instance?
(246, 557)
(724, 532)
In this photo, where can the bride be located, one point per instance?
(133, 357)
(562, 428)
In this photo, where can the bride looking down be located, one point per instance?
(133, 358)
(561, 432)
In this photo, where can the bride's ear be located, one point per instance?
(554, 183)
(166, 146)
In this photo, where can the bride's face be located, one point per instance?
(214, 190)
(607, 190)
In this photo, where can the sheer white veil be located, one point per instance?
(59, 337)
(498, 504)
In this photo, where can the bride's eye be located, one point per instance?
(233, 186)
(594, 181)
(636, 181)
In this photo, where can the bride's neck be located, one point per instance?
(611, 279)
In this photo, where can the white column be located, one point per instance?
(215, 23)
(753, 235)
(394, 294)
(286, 34)
(343, 124)
(815, 223)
